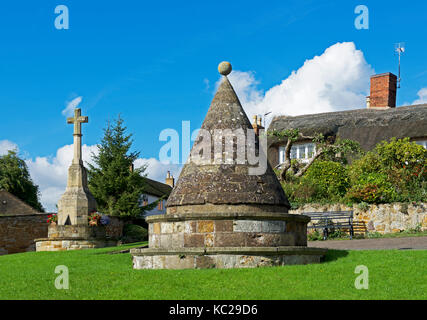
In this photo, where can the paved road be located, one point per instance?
(372, 244)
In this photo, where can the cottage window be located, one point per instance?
(302, 151)
(422, 143)
(144, 200)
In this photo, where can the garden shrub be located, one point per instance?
(314, 236)
(394, 171)
(134, 233)
(330, 178)
(372, 187)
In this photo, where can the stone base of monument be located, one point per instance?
(226, 240)
(224, 258)
(74, 237)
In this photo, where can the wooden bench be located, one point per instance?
(331, 219)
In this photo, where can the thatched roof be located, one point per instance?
(366, 126)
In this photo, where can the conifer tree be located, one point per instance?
(116, 186)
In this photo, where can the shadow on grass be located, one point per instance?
(333, 255)
(123, 248)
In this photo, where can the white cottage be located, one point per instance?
(154, 191)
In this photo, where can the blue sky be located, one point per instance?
(155, 63)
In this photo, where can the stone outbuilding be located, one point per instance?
(20, 224)
(219, 214)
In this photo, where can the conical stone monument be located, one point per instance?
(226, 210)
(72, 230)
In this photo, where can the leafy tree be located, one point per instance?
(116, 187)
(15, 178)
(393, 171)
(325, 148)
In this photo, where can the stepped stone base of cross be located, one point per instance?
(77, 202)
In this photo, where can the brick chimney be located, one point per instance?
(257, 124)
(383, 91)
(170, 180)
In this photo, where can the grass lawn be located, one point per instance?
(96, 274)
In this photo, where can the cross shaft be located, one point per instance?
(77, 120)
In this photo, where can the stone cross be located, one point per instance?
(77, 121)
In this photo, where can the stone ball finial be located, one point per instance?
(224, 68)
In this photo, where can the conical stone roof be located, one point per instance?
(213, 183)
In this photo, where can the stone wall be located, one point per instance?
(225, 259)
(114, 229)
(382, 218)
(72, 244)
(227, 233)
(17, 232)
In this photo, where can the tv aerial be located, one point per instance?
(399, 48)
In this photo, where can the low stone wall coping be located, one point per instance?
(24, 215)
(291, 250)
(228, 216)
(73, 239)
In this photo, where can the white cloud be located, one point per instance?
(71, 105)
(6, 145)
(50, 173)
(336, 80)
(422, 96)
(157, 170)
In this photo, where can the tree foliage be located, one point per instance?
(395, 171)
(15, 178)
(327, 149)
(116, 187)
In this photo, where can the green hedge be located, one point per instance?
(134, 233)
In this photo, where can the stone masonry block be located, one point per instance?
(223, 225)
(178, 226)
(177, 240)
(179, 262)
(166, 240)
(205, 262)
(190, 227)
(205, 226)
(209, 240)
(156, 228)
(166, 227)
(194, 240)
(273, 226)
(231, 239)
(247, 226)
